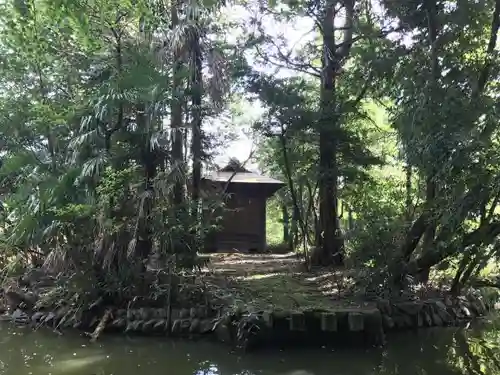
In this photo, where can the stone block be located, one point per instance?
(445, 317)
(426, 317)
(387, 322)
(118, 323)
(374, 329)
(280, 314)
(161, 313)
(399, 321)
(176, 326)
(148, 326)
(267, 317)
(329, 322)
(440, 305)
(409, 320)
(356, 321)
(193, 313)
(130, 314)
(223, 333)
(185, 325)
(384, 306)
(195, 326)
(160, 325)
(206, 326)
(297, 322)
(419, 321)
(201, 312)
(120, 313)
(144, 313)
(411, 308)
(436, 319)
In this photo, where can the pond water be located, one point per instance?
(441, 351)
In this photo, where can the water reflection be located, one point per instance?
(450, 351)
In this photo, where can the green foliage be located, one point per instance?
(87, 170)
(100, 99)
(429, 112)
(274, 222)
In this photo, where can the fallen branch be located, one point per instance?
(100, 327)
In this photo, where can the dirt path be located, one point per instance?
(280, 281)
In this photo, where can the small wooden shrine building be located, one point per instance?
(243, 225)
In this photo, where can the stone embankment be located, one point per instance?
(431, 313)
(348, 326)
(365, 325)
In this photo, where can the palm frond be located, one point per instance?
(56, 261)
(218, 81)
(131, 248)
(110, 255)
(94, 166)
(84, 138)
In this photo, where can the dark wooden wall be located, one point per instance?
(243, 225)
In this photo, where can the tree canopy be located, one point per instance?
(382, 119)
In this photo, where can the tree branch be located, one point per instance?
(380, 34)
(288, 64)
(495, 26)
(484, 235)
(342, 49)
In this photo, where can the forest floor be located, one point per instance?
(281, 282)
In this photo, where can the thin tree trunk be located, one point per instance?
(294, 227)
(409, 200)
(286, 219)
(196, 96)
(311, 211)
(297, 210)
(474, 266)
(149, 161)
(176, 116)
(469, 271)
(430, 231)
(484, 235)
(431, 186)
(317, 224)
(455, 285)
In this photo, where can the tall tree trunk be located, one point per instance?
(327, 143)
(196, 96)
(176, 115)
(149, 163)
(431, 187)
(331, 242)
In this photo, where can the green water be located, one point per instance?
(435, 351)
